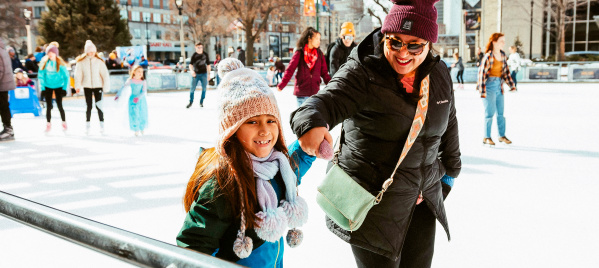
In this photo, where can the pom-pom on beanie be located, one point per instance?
(90, 47)
(413, 17)
(243, 94)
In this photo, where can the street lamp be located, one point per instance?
(27, 14)
(179, 4)
(147, 19)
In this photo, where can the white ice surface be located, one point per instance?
(530, 204)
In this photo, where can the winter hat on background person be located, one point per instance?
(52, 48)
(347, 28)
(90, 47)
(245, 94)
(19, 70)
(413, 17)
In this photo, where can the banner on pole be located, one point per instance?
(471, 4)
(472, 19)
(309, 8)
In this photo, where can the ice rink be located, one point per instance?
(530, 204)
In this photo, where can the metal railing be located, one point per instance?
(120, 244)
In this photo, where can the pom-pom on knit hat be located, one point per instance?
(243, 94)
(90, 47)
(413, 17)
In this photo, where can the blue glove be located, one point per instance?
(446, 184)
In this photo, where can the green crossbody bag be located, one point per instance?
(342, 198)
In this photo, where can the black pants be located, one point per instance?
(97, 92)
(460, 76)
(58, 93)
(418, 247)
(4, 109)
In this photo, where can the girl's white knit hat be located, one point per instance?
(89, 46)
(244, 94)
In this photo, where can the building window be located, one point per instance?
(166, 18)
(156, 18)
(135, 3)
(165, 4)
(37, 12)
(124, 14)
(148, 34)
(158, 34)
(137, 33)
(123, 2)
(135, 16)
(146, 3)
(147, 17)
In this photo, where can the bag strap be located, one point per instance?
(417, 125)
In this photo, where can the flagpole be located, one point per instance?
(317, 23)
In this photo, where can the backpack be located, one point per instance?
(327, 56)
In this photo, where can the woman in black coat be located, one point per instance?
(375, 95)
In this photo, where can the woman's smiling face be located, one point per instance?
(259, 134)
(402, 61)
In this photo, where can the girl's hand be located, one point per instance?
(420, 199)
(135, 100)
(311, 140)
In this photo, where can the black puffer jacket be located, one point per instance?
(377, 114)
(338, 55)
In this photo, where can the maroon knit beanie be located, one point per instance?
(416, 18)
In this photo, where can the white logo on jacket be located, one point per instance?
(443, 101)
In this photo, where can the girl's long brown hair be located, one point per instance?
(494, 37)
(59, 61)
(234, 177)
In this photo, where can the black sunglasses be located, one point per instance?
(413, 48)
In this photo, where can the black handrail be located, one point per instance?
(117, 243)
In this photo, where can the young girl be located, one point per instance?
(243, 194)
(138, 107)
(92, 77)
(54, 81)
(21, 80)
(270, 76)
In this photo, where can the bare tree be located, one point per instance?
(205, 19)
(11, 20)
(377, 8)
(561, 12)
(254, 15)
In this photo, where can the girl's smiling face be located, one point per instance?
(139, 73)
(259, 134)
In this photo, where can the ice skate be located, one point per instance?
(505, 140)
(87, 128)
(7, 134)
(189, 105)
(48, 127)
(488, 142)
(102, 127)
(64, 125)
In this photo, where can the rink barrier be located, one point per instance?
(120, 244)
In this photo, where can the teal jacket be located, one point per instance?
(211, 228)
(50, 78)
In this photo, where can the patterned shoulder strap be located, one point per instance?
(417, 125)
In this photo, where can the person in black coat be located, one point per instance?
(241, 55)
(342, 47)
(375, 95)
(32, 65)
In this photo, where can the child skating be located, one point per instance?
(137, 104)
(242, 196)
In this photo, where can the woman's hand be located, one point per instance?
(420, 199)
(310, 141)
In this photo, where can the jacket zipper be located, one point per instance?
(278, 250)
(90, 73)
(419, 191)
